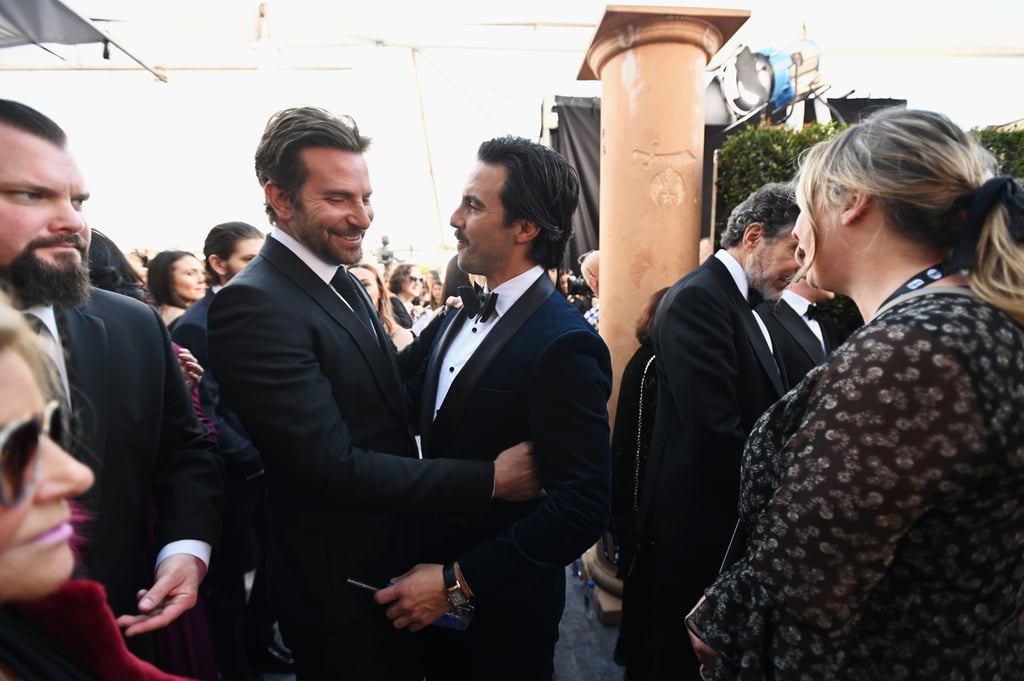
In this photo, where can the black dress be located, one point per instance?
(884, 502)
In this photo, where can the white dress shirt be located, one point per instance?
(800, 305)
(473, 332)
(740, 278)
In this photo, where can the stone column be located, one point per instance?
(651, 62)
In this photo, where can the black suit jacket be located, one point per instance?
(542, 374)
(321, 398)
(136, 429)
(241, 459)
(796, 346)
(716, 376)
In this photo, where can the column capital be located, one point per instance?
(626, 27)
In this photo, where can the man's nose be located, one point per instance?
(67, 217)
(361, 216)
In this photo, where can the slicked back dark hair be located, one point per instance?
(541, 187)
(222, 240)
(773, 205)
(290, 131)
(27, 119)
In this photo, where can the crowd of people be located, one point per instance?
(401, 464)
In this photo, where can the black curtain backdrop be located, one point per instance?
(577, 138)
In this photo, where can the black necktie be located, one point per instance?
(814, 312)
(345, 284)
(476, 303)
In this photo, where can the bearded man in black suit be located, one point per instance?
(133, 423)
(304, 359)
(716, 375)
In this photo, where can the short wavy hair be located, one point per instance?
(290, 131)
(773, 205)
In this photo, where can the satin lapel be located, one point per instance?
(500, 336)
(432, 376)
(830, 332)
(84, 337)
(382, 363)
(754, 334)
(798, 329)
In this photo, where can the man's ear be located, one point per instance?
(526, 231)
(280, 201)
(217, 264)
(854, 208)
(753, 235)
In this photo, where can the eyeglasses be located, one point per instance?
(19, 453)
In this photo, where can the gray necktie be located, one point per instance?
(53, 377)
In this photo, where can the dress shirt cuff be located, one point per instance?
(193, 547)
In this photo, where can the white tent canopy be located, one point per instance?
(37, 22)
(428, 81)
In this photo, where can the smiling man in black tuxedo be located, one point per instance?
(304, 359)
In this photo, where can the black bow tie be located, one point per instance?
(476, 303)
(814, 312)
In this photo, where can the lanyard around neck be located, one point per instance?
(922, 278)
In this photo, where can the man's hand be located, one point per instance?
(416, 599)
(515, 474)
(176, 589)
(190, 368)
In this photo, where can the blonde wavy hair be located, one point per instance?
(924, 171)
(17, 335)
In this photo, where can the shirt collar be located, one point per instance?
(796, 301)
(320, 267)
(735, 271)
(513, 289)
(45, 313)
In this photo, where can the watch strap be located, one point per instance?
(448, 574)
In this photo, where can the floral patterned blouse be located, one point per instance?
(884, 502)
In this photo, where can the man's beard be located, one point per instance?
(35, 282)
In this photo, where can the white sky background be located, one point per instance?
(167, 161)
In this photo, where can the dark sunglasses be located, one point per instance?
(19, 453)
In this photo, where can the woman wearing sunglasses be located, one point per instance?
(51, 627)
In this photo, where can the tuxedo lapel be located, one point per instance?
(796, 327)
(433, 373)
(84, 338)
(382, 362)
(503, 332)
(754, 334)
(829, 332)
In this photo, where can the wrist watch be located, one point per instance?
(456, 592)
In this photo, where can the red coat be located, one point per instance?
(80, 621)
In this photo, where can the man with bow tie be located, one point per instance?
(802, 332)
(716, 375)
(522, 364)
(304, 359)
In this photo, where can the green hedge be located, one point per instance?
(1008, 147)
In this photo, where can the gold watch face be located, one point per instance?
(456, 597)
